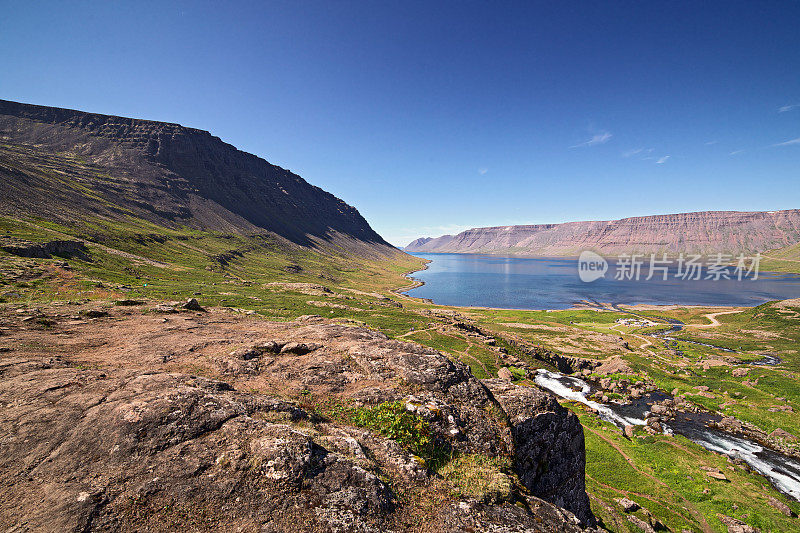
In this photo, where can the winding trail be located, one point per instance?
(413, 331)
(689, 506)
(712, 317)
(632, 493)
(780, 258)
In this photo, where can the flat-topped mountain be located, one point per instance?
(707, 232)
(63, 164)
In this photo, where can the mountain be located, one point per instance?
(62, 164)
(706, 232)
(416, 243)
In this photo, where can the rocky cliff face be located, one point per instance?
(707, 232)
(61, 163)
(106, 425)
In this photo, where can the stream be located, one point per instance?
(781, 470)
(677, 325)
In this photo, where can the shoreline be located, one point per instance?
(594, 306)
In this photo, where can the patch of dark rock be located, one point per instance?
(193, 305)
(46, 250)
(94, 313)
(128, 302)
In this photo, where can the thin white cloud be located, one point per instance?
(709, 143)
(598, 138)
(788, 143)
(789, 107)
(637, 151)
(662, 160)
(483, 170)
(736, 152)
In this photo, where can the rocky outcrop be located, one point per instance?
(549, 453)
(45, 250)
(707, 232)
(64, 164)
(117, 431)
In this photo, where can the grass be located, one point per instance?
(664, 475)
(477, 476)
(660, 473)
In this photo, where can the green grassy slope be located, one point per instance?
(782, 260)
(133, 258)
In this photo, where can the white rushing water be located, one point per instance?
(782, 471)
(576, 390)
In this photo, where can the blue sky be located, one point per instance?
(431, 117)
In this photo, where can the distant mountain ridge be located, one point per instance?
(706, 232)
(60, 164)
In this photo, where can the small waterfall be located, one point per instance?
(782, 471)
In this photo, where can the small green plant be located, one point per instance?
(517, 373)
(392, 420)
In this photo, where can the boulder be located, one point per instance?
(300, 348)
(641, 524)
(780, 506)
(782, 434)
(505, 374)
(659, 409)
(193, 305)
(627, 505)
(654, 424)
(737, 526)
(716, 474)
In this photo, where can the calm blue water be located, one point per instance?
(553, 283)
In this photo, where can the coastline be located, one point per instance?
(400, 291)
(581, 306)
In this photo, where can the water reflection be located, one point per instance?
(553, 283)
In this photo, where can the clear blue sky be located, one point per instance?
(432, 117)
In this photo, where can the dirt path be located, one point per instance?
(413, 331)
(632, 493)
(780, 258)
(467, 354)
(700, 517)
(646, 343)
(712, 317)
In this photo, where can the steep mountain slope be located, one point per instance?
(63, 164)
(703, 232)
